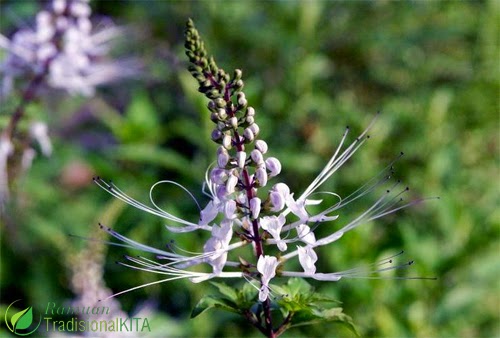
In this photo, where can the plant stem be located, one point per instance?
(27, 97)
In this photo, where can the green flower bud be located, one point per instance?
(249, 120)
(237, 74)
(238, 84)
(226, 141)
(220, 102)
(222, 114)
(233, 122)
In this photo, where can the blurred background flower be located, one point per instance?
(311, 68)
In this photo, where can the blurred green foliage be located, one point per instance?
(310, 68)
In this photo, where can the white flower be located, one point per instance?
(307, 258)
(39, 132)
(305, 234)
(273, 225)
(217, 246)
(266, 265)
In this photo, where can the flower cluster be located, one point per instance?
(240, 211)
(62, 48)
(245, 208)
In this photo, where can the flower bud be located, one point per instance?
(257, 157)
(219, 102)
(250, 111)
(59, 6)
(261, 146)
(238, 84)
(274, 166)
(248, 134)
(80, 9)
(231, 184)
(255, 128)
(255, 207)
(277, 201)
(249, 119)
(241, 158)
(261, 176)
(282, 189)
(237, 74)
(222, 113)
(226, 141)
(222, 157)
(216, 135)
(242, 101)
(233, 122)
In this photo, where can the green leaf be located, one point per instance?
(247, 296)
(227, 291)
(140, 122)
(23, 319)
(298, 286)
(313, 316)
(209, 302)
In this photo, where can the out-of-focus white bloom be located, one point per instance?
(63, 49)
(39, 132)
(6, 149)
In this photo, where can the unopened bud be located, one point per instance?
(261, 145)
(277, 201)
(233, 122)
(255, 128)
(231, 184)
(273, 165)
(261, 176)
(238, 84)
(249, 119)
(226, 141)
(237, 74)
(220, 102)
(222, 113)
(255, 207)
(250, 111)
(248, 134)
(216, 135)
(242, 101)
(241, 158)
(257, 157)
(222, 157)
